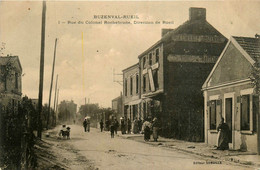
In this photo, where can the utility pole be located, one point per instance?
(57, 101)
(39, 129)
(53, 67)
(55, 94)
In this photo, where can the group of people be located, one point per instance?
(111, 125)
(151, 127)
(126, 125)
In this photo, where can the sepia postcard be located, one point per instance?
(129, 85)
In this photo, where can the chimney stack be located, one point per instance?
(197, 14)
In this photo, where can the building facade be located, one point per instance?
(10, 82)
(131, 92)
(172, 72)
(229, 93)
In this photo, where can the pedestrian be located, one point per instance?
(116, 125)
(146, 128)
(88, 125)
(122, 125)
(128, 126)
(223, 138)
(140, 125)
(107, 125)
(135, 128)
(101, 125)
(85, 125)
(112, 128)
(155, 128)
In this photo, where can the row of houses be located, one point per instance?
(191, 78)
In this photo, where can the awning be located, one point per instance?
(134, 102)
(153, 94)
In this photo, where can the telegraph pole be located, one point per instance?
(39, 129)
(54, 105)
(57, 101)
(53, 68)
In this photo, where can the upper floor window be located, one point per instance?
(125, 87)
(16, 80)
(155, 79)
(136, 81)
(150, 59)
(157, 55)
(144, 83)
(144, 61)
(131, 85)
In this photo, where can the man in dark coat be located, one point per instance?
(128, 126)
(85, 125)
(223, 136)
(101, 123)
(116, 125)
(112, 127)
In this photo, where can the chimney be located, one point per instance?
(197, 14)
(165, 31)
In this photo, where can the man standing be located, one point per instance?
(85, 125)
(101, 125)
(112, 127)
(116, 125)
(128, 126)
(88, 125)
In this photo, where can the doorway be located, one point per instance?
(229, 113)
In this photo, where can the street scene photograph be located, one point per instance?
(121, 85)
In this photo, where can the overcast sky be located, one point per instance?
(88, 71)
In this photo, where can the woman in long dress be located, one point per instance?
(223, 135)
(147, 130)
(155, 127)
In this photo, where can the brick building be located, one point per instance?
(172, 72)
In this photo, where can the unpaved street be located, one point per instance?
(96, 150)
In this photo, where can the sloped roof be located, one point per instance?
(250, 45)
(195, 27)
(4, 60)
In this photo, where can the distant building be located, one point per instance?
(229, 93)
(10, 82)
(117, 105)
(131, 92)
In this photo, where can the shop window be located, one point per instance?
(212, 114)
(245, 112)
